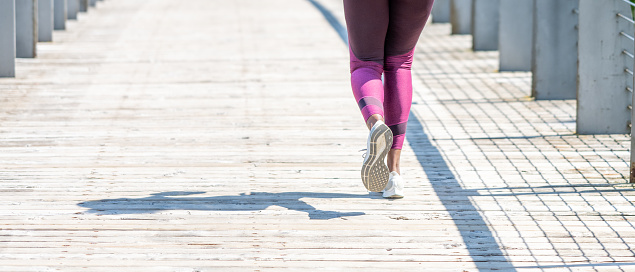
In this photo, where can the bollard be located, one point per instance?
(441, 11)
(515, 34)
(72, 9)
(83, 5)
(485, 20)
(45, 20)
(605, 85)
(555, 50)
(7, 38)
(461, 16)
(59, 14)
(26, 28)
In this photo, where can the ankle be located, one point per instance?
(373, 119)
(393, 160)
(393, 167)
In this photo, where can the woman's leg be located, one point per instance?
(407, 19)
(367, 23)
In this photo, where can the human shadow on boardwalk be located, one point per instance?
(255, 201)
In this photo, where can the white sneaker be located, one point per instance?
(394, 189)
(375, 172)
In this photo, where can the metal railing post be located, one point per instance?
(59, 14)
(632, 174)
(461, 16)
(45, 20)
(485, 20)
(555, 50)
(441, 11)
(72, 9)
(515, 34)
(26, 36)
(7, 38)
(605, 67)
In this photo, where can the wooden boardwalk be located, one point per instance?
(209, 135)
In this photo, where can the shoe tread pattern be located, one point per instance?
(375, 173)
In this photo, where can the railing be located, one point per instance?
(575, 49)
(628, 18)
(631, 56)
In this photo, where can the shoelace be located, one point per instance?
(363, 155)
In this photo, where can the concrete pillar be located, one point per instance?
(45, 20)
(485, 20)
(93, 3)
(555, 50)
(7, 38)
(59, 14)
(441, 11)
(603, 91)
(83, 5)
(72, 9)
(516, 35)
(26, 36)
(461, 16)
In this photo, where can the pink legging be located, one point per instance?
(382, 36)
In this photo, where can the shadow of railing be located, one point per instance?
(575, 189)
(433, 164)
(243, 202)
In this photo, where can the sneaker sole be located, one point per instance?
(375, 172)
(393, 196)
